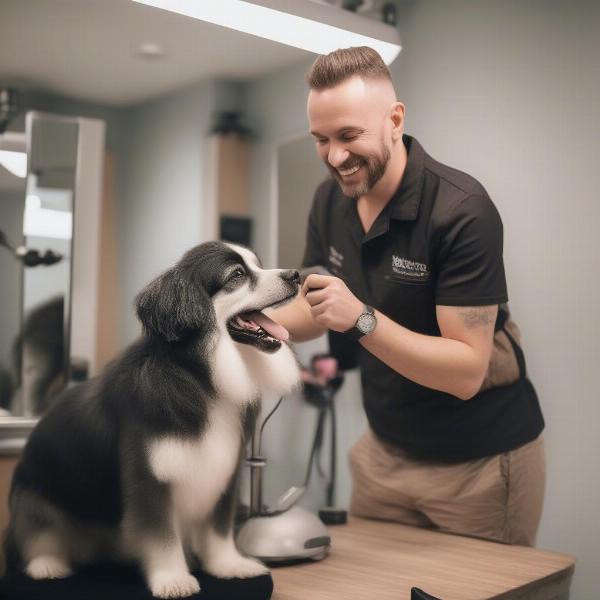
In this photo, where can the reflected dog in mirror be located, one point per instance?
(141, 463)
(39, 356)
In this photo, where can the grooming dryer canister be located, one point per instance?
(284, 532)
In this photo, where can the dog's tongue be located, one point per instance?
(272, 328)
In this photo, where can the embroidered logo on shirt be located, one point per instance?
(409, 269)
(335, 257)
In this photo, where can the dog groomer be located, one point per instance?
(414, 249)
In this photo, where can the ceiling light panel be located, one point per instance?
(307, 25)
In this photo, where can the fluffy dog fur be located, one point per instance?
(141, 463)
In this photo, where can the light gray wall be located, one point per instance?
(276, 111)
(298, 167)
(509, 91)
(162, 184)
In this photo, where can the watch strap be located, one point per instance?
(354, 332)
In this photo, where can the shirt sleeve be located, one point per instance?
(470, 265)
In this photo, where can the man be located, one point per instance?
(414, 249)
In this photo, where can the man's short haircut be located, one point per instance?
(330, 69)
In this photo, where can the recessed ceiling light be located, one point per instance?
(150, 50)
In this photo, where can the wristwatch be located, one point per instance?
(365, 324)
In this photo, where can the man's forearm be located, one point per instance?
(440, 363)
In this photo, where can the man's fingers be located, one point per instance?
(317, 311)
(315, 281)
(315, 296)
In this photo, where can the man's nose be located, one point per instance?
(337, 156)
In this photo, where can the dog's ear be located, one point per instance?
(173, 308)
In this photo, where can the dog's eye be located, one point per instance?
(237, 273)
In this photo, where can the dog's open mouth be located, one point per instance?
(255, 328)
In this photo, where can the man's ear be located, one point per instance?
(172, 307)
(397, 116)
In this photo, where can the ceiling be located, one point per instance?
(86, 49)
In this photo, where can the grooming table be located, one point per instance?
(383, 561)
(116, 582)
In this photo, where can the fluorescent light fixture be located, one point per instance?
(303, 24)
(45, 222)
(15, 162)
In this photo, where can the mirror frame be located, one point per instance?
(85, 259)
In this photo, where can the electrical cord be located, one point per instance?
(264, 423)
(317, 445)
(332, 457)
(317, 441)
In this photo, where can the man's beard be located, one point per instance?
(375, 167)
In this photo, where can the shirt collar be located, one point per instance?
(404, 204)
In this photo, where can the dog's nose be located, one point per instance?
(292, 277)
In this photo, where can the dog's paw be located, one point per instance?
(239, 567)
(48, 567)
(166, 584)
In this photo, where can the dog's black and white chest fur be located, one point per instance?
(141, 463)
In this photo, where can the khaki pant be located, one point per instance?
(498, 498)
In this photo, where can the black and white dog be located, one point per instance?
(141, 463)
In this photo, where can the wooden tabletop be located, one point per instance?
(378, 560)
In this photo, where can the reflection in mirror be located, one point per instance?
(40, 350)
(12, 194)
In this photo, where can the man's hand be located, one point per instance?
(332, 304)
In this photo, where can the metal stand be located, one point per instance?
(284, 532)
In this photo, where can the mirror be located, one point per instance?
(38, 308)
(12, 212)
(48, 230)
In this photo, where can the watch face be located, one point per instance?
(366, 323)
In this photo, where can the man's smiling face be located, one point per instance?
(351, 126)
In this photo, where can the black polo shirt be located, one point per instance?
(437, 242)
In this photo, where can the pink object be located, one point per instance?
(325, 368)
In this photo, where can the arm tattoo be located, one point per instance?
(478, 316)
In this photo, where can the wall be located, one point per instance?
(276, 111)
(162, 184)
(509, 91)
(298, 167)
(160, 187)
